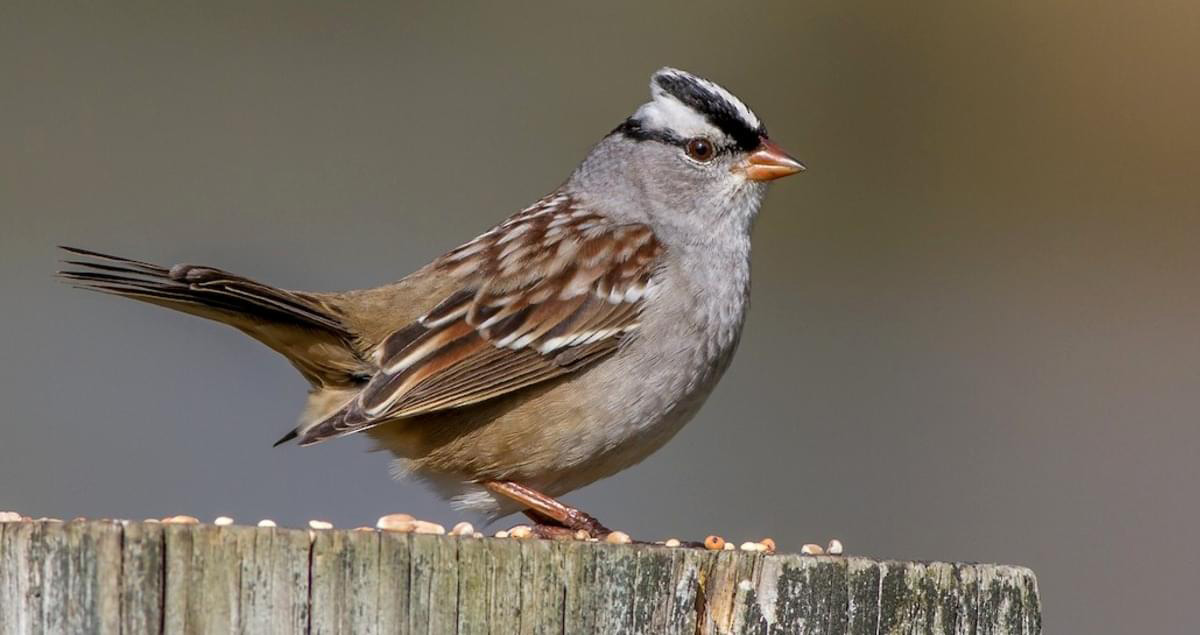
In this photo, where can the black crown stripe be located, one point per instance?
(715, 108)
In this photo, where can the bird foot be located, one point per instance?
(555, 532)
(546, 511)
(575, 526)
(581, 521)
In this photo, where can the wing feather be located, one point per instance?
(542, 295)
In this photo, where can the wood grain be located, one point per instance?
(126, 577)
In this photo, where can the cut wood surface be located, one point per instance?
(131, 577)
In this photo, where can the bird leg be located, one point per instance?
(548, 528)
(541, 508)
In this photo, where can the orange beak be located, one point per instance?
(770, 162)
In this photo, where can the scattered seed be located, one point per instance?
(9, 517)
(672, 542)
(753, 546)
(714, 543)
(364, 529)
(426, 527)
(502, 534)
(266, 522)
(395, 522)
(320, 524)
(152, 520)
(478, 534)
(812, 550)
(769, 544)
(520, 532)
(223, 521)
(462, 529)
(581, 534)
(593, 539)
(618, 538)
(835, 547)
(181, 520)
(729, 546)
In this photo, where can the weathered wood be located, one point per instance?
(123, 577)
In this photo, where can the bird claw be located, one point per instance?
(553, 532)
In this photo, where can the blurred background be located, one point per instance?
(974, 333)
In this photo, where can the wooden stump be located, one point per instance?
(128, 577)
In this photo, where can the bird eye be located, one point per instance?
(700, 149)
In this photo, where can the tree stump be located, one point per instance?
(129, 577)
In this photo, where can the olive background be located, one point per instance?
(974, 324)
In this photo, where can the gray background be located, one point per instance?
(974, 333)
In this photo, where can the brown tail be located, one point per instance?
(303, 327)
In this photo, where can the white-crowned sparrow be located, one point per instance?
(564, 345)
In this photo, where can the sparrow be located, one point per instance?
(560, 347)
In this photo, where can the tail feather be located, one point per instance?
(303, 327)
(198, 286)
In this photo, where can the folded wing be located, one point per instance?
(546, 293)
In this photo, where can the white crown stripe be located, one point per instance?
(666, 112)
(742, 109)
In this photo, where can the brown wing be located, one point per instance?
(546, 293)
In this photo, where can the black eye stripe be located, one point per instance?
(713, 108)
(633, 129)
